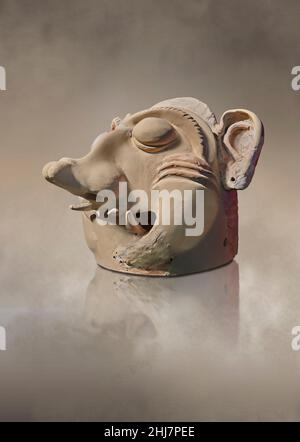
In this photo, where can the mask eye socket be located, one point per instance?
(154, 134)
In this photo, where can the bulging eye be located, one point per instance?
(154, 134)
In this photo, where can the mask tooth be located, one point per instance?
(86, 205)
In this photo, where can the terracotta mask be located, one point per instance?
(176, 145)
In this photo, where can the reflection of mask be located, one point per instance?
(175, 145)
(127, 307)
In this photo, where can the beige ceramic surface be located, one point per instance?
(175, 146)
(154, 348)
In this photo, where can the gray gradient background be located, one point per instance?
(134, 349)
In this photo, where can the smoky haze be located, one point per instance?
(71, 67)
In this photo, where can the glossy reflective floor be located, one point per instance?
(135, 348)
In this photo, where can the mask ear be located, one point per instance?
(241, 137)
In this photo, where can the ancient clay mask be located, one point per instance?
(176, 145)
